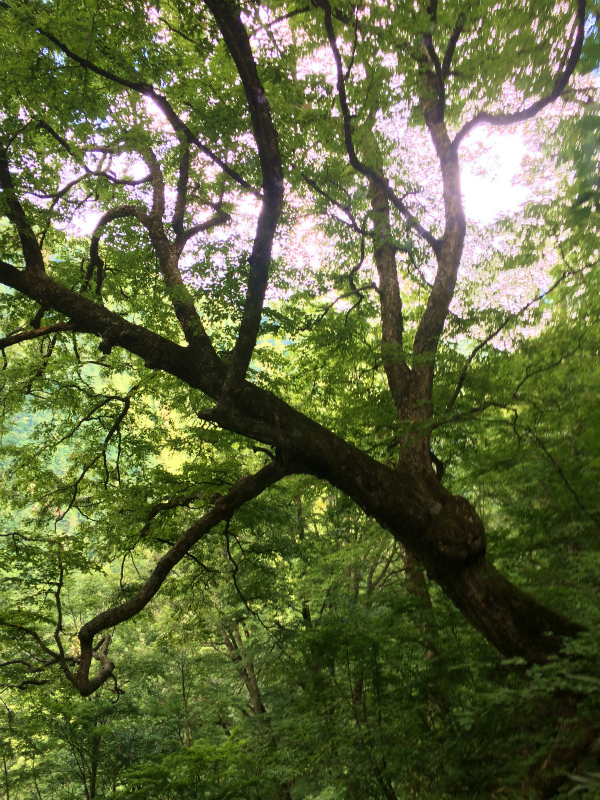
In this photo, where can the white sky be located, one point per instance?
(491, 180)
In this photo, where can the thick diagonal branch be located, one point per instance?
(443, 532)
(89, 317)
(265, 135)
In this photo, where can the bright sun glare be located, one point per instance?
(492, 183)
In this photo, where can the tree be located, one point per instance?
(123, 339)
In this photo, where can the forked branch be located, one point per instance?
(244, 490)
(353, 158)
(96, 263)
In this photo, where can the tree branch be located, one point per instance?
(60, 139)
(147, 90)
(222, 218)
(452, 42)
(392, 321)
(265, 135)
(60, 193)
(494, 333)
(289, 15)
(593, 517)
(169, 254)
(54, 657)
(244, 490)
(181, 192)
(36, 333)
(355, 162)
(96, 263)
(439, 75)
(347, 210)
(175, 502)
(32, 252)
(560, 84)
(90, 317)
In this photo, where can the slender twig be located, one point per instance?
(510, 318)
(289, 15)
(233, 575)
(346, 209)
(590, 514)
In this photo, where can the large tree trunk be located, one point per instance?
(443, 532)
(440, 531)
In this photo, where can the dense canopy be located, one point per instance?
(265, 386)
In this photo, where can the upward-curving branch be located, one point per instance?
(560, 84)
